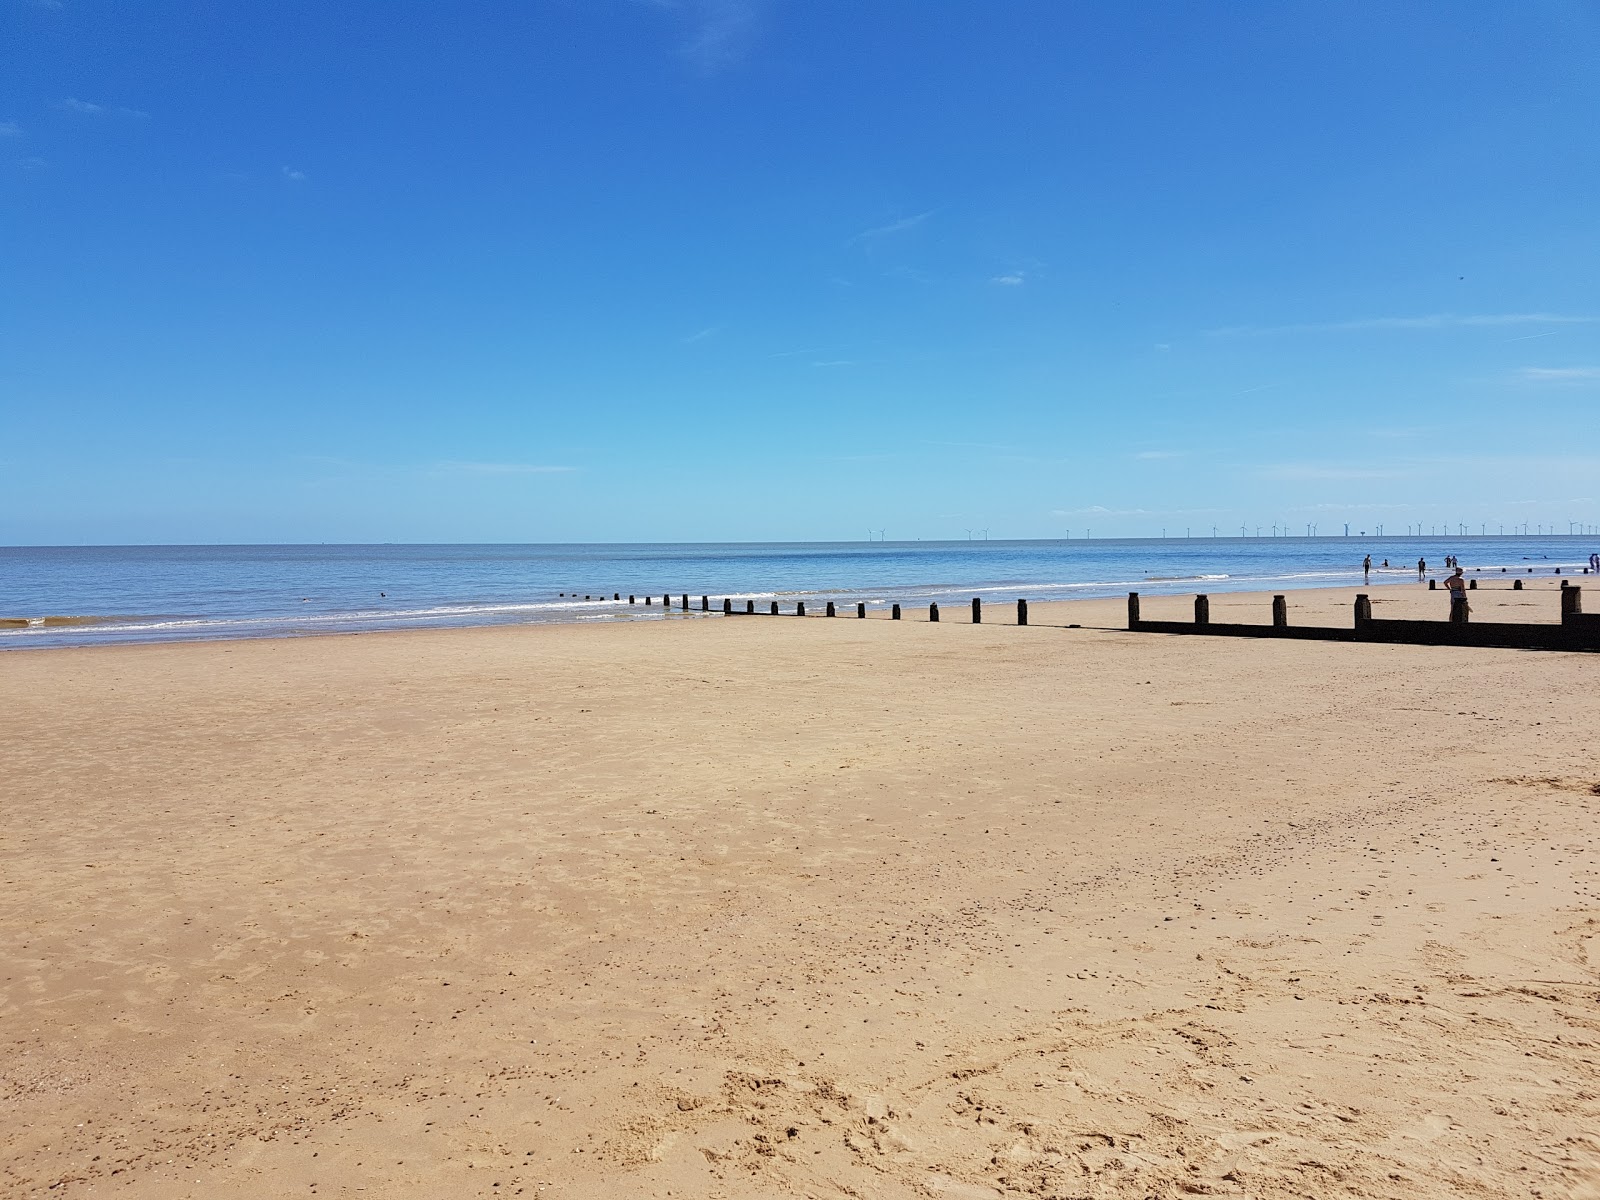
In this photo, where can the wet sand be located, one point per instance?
(770, 908)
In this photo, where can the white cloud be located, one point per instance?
(490, 468)
(88, 109)
(1561, 374)
(708, 331)
(293, 175)
(836, 362)
(900, 226)
(10, 129)
(1433, 322)
(719, 33)
(1014, 279)
(1099, 510)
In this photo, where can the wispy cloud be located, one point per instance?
(1013, 279)
(10, 129)
(893, 227)
(1560, 374)
(1099, 510)
(88, 109)
(836, 362)
(492, 468)
(719, 34)
(1435, 321)
(32, 163)
(1308, 472)
(708, 331)
(293, 175)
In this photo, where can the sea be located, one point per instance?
(94, 595)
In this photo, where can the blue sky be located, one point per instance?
(621, 270)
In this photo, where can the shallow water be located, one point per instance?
(79, 595)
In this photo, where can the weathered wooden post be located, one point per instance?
(830, 608)
(1459, 608)
(705, 604)
(749, 606)
(727, 606)
(686, 602)
(1280, 612)
(666, 602)
(616, 595)
(800, 609)
(1516, 585)
(977, 611)
(1202, 610)
(630, 600)
(1472, 584)
(1022, 612)
(933, 613)
(774, 608)
(586, 597)
(1133, 610)
(1363, 609)
(647, 600)
(1433, 585)
(1571, 602)
(861, 611)
(894, 613)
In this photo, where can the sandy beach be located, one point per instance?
(747, 907)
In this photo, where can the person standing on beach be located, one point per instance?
(1422, 568)
(1456, 587)
(1366, 569)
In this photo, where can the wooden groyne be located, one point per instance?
(1577, 631)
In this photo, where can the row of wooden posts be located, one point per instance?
(800, 607)
(1571, 606)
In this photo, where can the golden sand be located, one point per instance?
(763, 908)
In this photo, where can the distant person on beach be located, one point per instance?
(1386, 564)
(1456, 586)
(1366, 569)
(1422, 568)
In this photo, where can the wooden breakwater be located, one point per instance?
(1577, 631)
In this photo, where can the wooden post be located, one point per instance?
(1433, 585)
(616, 595)
(705, 604)
(749, 606)
(774, 608)
(1459, 608)
(666, 602)
(1472, 584)
(1133, 610)
(1202, 610)
(861, 611)
(894, 613)
(830, 608)
(1363, 608)
(800, 609)
(933, 613)
(1280, 612)
(1571, 602)
(1516, 585)
(977, 611)
(727, 606)
(630, 600)
(647, 600)
(1022, 612)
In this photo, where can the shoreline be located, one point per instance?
(1158, 593)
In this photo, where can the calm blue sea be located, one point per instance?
(81, 595)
